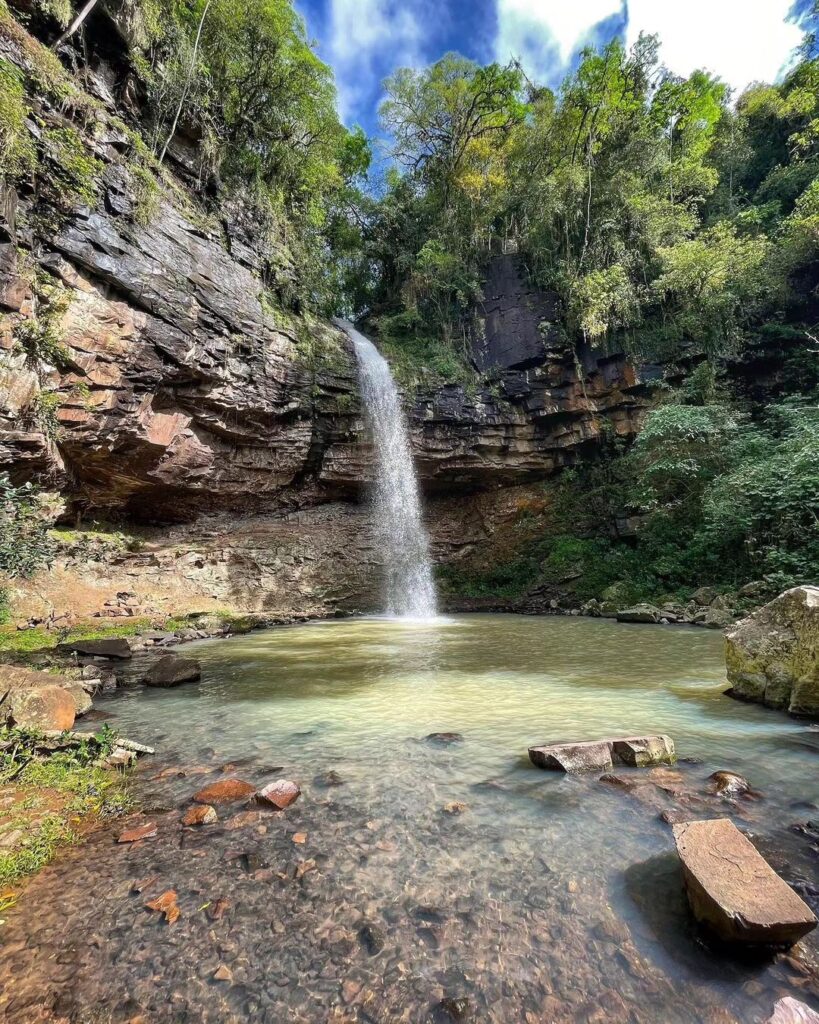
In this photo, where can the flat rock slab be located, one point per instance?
(225, 791)
(602, 755)
(573, 757)
(110, 647)
(733, 890)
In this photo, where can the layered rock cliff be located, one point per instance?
(150, 378)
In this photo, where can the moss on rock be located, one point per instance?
(773, 655)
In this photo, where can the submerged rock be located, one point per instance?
(728, 784)
(456, 1009)
(733, 890)
(224, 791)
(132, 835)
(172, 670)
(600, 755)
(372, 938)
(200, 814)
(328, 779)
(772, 656)
(444, 738)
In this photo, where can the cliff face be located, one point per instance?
(177, 400)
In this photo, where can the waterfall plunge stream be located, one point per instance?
(410, 589)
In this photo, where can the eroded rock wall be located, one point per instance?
(185, 400)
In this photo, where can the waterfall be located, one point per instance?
(410, 589)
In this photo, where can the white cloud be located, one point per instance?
(545, 33)
(366, 40)
(740, 40)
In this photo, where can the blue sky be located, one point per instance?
(364, 40)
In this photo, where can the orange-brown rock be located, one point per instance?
(733, 890)
(133, 835)
(224, 791)
(166, 904)
(279, 794)
(46, 708)
(200, 814)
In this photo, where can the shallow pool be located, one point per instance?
(424, 871)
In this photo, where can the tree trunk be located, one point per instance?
(75, 24)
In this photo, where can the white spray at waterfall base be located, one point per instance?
(410, 588)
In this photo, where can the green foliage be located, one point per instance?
(658, 213)
(44, 410)
(74, 172)
(17, 154)
(25, 546)
(243, 81)
(146, 194)
(40, 337)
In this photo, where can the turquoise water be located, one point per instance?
(530, 895)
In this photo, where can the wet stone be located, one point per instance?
(132, 835)
(733, 890)
(201, 814)
(173, 671)
(224, 791)
(729, 785)
(452, 1010)
(372, 938)
(444, 738)
(327, 780)
(279, 794)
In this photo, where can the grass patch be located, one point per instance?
(24, 641)
(55, 794)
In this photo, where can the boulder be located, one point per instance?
(772, 656)
(81, 697)
(109, 647)
(224, 791)
(588, 756)
(728, 784)
(47, 708)
(279, 794)
(172, 670)
(791, 1011)
(733, 890)
(601, 755)
(640, 613)
(641, 751)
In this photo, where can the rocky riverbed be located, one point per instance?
(413, 878)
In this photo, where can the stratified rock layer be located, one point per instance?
(773, 655)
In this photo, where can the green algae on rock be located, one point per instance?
(772, 656)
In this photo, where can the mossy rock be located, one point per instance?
(773, 655)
